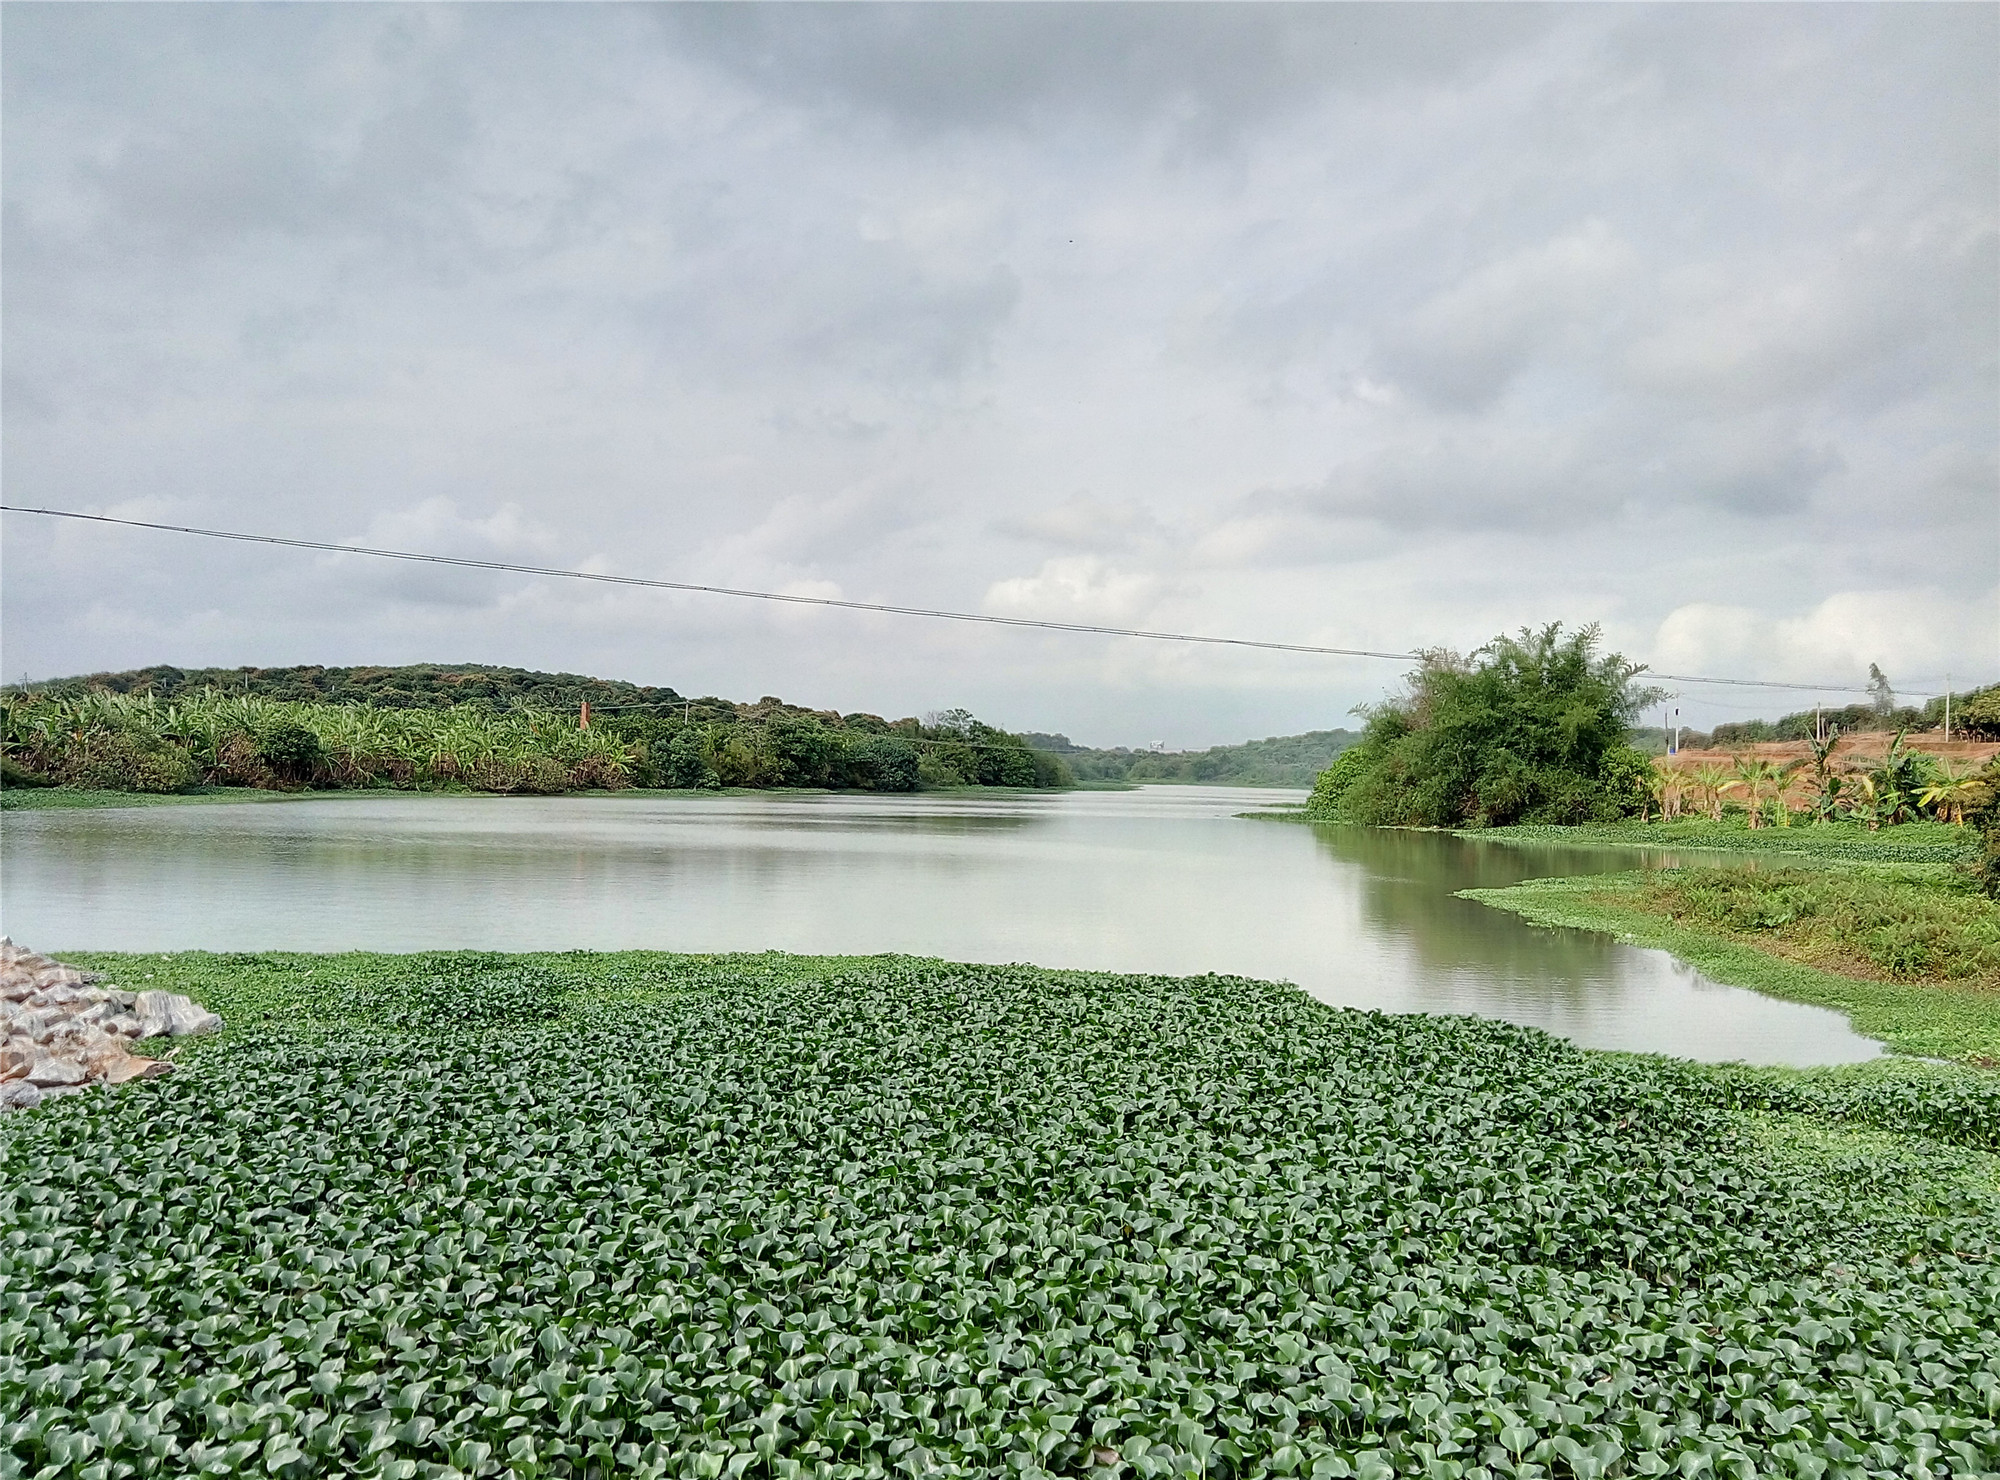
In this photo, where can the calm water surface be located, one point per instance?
(1164, 879)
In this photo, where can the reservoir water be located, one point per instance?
(1162, 879)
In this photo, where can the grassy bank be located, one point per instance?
(67, 798)
(1933, 1019)
(561, 1215)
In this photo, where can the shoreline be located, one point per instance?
(65, 799)
(1939, 1022)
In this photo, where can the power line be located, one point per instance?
(587, 575)
(468, 563)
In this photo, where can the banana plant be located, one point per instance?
(1752, 776)
(1950, 788)
(1897, 780)
(1711, 781)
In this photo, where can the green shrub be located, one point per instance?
(292, 751)
(1331, 789)
(121, 760)
(1530, 729)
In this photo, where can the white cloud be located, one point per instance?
(1918, 634)
(1079, 588)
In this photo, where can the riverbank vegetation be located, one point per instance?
(1536, 730)
(1905, 842)
(1895, 925)
(1280, 760)
(1884, 859)
(676, 1216)
(1915, 926)
(101, 740)
(1932, 1018)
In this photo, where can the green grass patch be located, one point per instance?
(1906, 925)
(65, 798)
(457, 1215)
(1932, 1020)
(1905, 842)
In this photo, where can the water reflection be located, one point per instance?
(1163, 879)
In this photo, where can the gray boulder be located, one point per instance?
(60, 1033)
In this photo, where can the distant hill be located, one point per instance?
(1281, 760)
(413, 686)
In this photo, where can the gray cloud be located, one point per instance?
(978, 66)
(1369, 325)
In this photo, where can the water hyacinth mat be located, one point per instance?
(654, 1215)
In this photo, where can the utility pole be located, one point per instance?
(1947, 709)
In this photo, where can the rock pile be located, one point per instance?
(59, 1033)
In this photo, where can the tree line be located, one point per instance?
(1280, 760)
(1975, 715)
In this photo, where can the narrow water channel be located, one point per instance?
(1163, 879)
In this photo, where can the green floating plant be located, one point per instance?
(766, 1216)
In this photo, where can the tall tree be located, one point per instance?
(1529, 728)
(1880, 694)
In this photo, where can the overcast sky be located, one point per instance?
(1374, 326)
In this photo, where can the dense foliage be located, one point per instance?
(712, 743)
(1909, 927)
(464, 1216)
(1531, 729)
(413, 686)
(118, 742)
(1899, 785)
(1281, 760)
